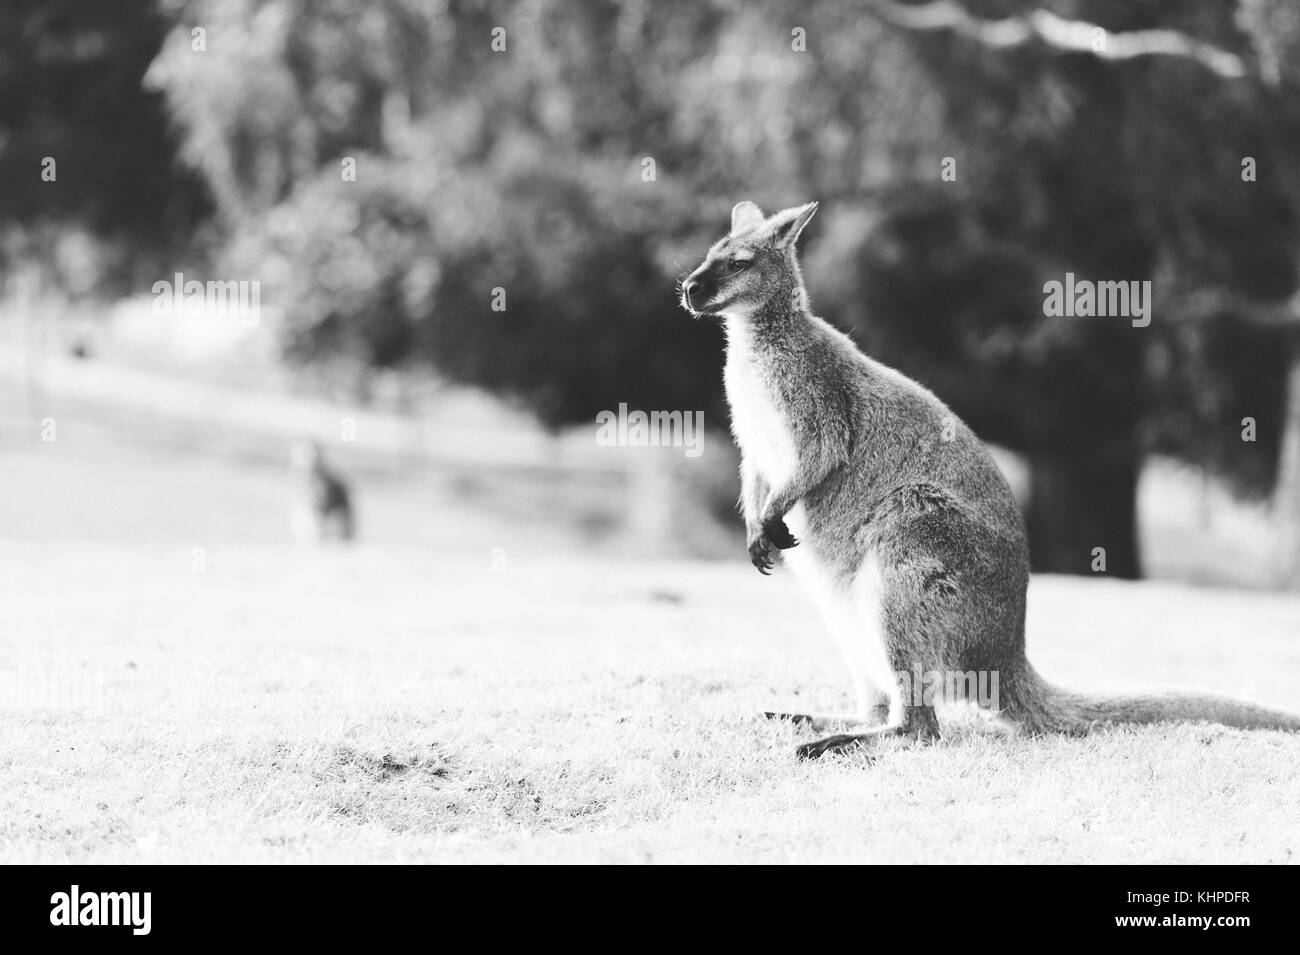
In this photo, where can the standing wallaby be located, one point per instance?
(321, 503)
(886, 506)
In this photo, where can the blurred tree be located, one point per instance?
(1154, 151)
(114, 200)
(1069, 162)
(516, 169)
(566, 169)
(1273, 27)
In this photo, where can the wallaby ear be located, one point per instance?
(745, 216)
(787, 225)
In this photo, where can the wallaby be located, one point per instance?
(886, 506)
(321, 502)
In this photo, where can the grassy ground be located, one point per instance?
(392, 704)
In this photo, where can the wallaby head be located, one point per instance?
(750, 266)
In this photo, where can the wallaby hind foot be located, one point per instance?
(919, 725)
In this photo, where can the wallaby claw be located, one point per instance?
(797, 719)
(774, 533)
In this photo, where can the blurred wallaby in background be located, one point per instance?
(320, 500)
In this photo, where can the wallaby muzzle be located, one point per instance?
(698, 289)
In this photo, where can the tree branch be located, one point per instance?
(1058, 33)
(1205, 304)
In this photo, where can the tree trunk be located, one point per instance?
(1286, 495)
(1080, 502)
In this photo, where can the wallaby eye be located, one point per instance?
(736, 263)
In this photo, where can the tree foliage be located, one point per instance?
(524, 169)
(71, 91)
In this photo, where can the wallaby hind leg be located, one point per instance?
(853, 621)
(894, 609)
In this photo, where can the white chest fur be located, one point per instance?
(757, 422)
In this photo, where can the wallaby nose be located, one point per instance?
(690, 287)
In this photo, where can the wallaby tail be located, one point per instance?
(1040, 707)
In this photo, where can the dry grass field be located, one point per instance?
(383, 705)
(480, 681)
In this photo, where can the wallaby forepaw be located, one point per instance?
(780, 536)
(760, 554)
